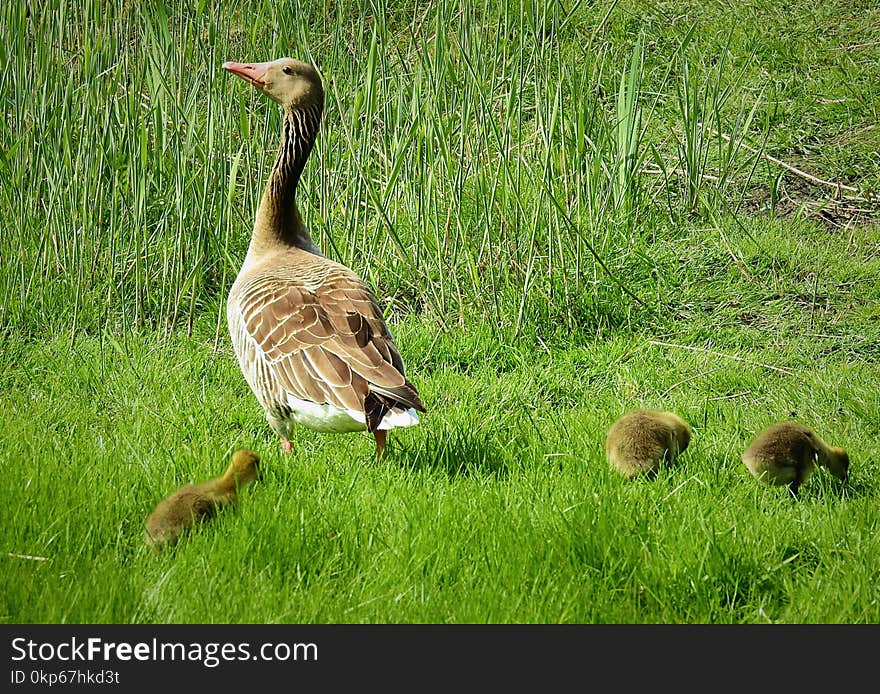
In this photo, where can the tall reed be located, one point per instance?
(469, 164)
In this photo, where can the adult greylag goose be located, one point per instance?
(195, 503)
(307, 331)
(640, 440)
(788, 452)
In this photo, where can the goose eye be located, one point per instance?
(287, 70)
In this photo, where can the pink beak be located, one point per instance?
(250, 72)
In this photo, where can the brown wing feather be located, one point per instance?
(323, 338)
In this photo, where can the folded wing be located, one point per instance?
(324, 342)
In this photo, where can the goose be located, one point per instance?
(640, 440)
(787, 453)
(195, 503)
(308, 333)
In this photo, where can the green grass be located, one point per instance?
(556, 236)
(499, 507)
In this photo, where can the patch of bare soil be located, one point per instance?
(836, 207)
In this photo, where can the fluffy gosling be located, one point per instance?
(640, 440)
(195, 503)
(787, 453)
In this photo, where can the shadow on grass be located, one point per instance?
(459, 452)
(802, 560)
(824, 487)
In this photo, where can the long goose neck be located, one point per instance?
(278, 223)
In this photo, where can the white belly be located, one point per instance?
(325, 417)
(336, 420)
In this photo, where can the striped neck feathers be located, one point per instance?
(278, 222)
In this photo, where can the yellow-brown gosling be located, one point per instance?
(195, 503)
(308, 333)
(787, 453)
(639, 441)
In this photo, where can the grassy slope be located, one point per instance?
(500, 507)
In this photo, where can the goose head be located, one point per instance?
(244, 467)
(682, 432)
(837, 462)
(289, 82)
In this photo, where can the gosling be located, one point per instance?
(194, 503)
(639, 441)
(787, 453)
